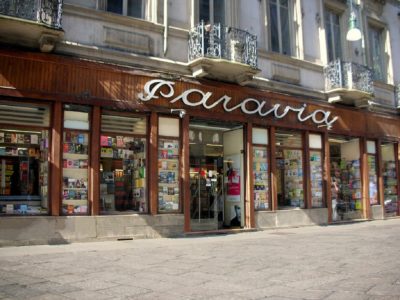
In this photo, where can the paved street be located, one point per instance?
(352, 261)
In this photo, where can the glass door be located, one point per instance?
(216, 179)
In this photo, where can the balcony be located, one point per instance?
(34, 24)
(222, 53)
(348, 83)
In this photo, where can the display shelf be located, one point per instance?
(390, 188)
(316, 179)
(293, 167)
(260, 178)
(168, 175)
(75, 172)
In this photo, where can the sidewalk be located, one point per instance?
(350, 261)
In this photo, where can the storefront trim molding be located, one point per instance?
(249, 106)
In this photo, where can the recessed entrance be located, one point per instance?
(216, 175)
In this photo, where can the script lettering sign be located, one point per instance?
(153, 89)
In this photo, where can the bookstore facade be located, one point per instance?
(112, 152)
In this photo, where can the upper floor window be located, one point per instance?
(212, 11)
(280, 17)
(332, 30)
(131, 8)
(376, 52)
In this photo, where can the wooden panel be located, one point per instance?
(273, 172)
(185, 172)
(94, 168)
(327, 176)
(55, 160)
(153, 164)
(89, 82)
(306, 174)
(249, 196)
(364, 179)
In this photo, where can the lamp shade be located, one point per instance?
(354, 34)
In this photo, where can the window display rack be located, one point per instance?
(316, 179)
(293, 168)
(123, 175)
(390, 188)
(75, 172)
(168, 175)
(23, 172)
(260, 173)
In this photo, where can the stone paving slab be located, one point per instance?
(350, 261)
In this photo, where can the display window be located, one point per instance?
(345, 178)
(372, 173)
(24, 166)
(123, 162)
(168, 165)
(75, 160)
(260, 169)
(316, 161)
(390, 189)
(290, 175)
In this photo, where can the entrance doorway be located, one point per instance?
(216, 175)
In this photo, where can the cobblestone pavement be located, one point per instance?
(351, 261)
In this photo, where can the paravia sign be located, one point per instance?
(260, 107)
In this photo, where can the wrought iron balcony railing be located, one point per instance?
(348, 75)
(218, 41)
(45, 12)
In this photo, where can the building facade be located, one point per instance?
(126, 119)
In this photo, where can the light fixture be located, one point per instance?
(354, 33)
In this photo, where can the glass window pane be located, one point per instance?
(345, 178)
(371, 147)
(316, 179)
(76, 117)
(219, 11)
(288, 139)
(168, 127)
(273, 25)
(24, 171)
(315, 141)
(135, 8)
(204, 11)
(122, 173)
(290, 169)
(120, 124)
(260, 177)
(114, 6)
(168, 175)
(389, 175)
(75, 172)
(285, 32)
(373, 180)
(260, 136)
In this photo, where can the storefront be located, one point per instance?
(137, 153)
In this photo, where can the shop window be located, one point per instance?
(289, 161)
(333, 37)
(131, 8)
(123, 185)
(24, 159)
(168, 165)
(390, 189)
(345, 178)
(75, 160)
(260, 169)
(316, 159)
(372, 173)
(279, 19)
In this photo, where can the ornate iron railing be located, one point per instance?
(218, 41)
(348, 75)
(46, 12)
